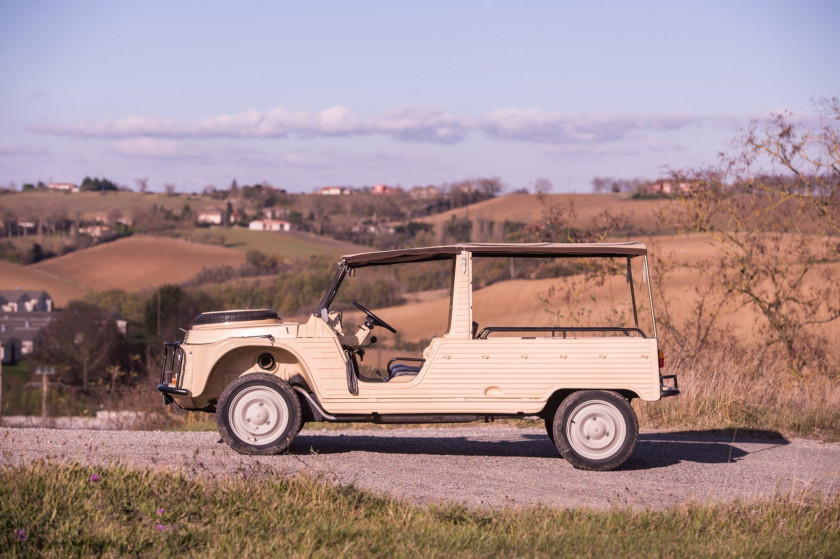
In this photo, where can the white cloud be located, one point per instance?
(410, 123)
(531, 125)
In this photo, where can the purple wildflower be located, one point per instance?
(161, 510)
(245, 475)
(160, 527)
(20, 534)
(94, 477)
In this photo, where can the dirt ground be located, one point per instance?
(485, 465)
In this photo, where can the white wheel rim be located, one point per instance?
(258, 415)
(596, 430)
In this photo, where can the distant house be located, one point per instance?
(668, 188)
(424, 192)
(274, 213)
(64, 186)
(26, 226)
(269, 225)
(97, 231)
(16, 300)
(384, 189)
(215, 217)
(334, 191)
(21, 333)
(30, 340)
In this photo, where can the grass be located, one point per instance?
(90, 205)
(50, 510)
(290, 245)
(727, 390)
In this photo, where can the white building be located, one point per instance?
(269, 225)
(333, 190)
(63, 186)
(210, 218)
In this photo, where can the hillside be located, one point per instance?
(137, 263)
(13, 276)
(520, 302)
(290, 245)
(526, 208)
(90, 205)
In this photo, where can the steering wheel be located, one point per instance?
(375, 320)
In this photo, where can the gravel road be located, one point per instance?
(489, 466)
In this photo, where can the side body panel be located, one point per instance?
(511, 375)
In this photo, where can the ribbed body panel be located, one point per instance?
(511, 375)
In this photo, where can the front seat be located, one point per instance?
(398, 369)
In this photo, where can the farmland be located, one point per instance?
(90, 205)
(290, 245)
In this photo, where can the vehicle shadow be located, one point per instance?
(653, 450)
(658, 450)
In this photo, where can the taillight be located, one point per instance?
(661, 359)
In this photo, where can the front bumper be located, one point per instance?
(172, 372)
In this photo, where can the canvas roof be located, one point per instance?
(519, 250)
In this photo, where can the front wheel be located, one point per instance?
(595, 429)
(258, 413)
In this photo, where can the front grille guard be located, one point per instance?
(172, 372)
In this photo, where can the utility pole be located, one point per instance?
(44, 372)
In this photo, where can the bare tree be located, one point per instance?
(542, 186)
(83, 339)
(775, 236)
(142, 185)
(170, 188)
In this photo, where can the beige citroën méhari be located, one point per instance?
(265, 377)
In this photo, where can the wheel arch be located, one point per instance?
(561, 394)
(243, 360)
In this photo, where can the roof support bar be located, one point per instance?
(646, 277)
(632, 293)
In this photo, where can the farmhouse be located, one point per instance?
(63, 187)
(384, 189)
(214, 217)
(16, 300)
(424, 192)
(21, 333)
(667, 188)
(269, 225)
(98, 231)
(334, 190)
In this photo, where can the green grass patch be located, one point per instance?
(290, 245)
(50, 510)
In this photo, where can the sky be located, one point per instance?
(307, 94)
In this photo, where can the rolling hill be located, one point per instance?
(13, 276)
(136, 263)
(526, 208)
(290, 245)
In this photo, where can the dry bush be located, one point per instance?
(739, 388)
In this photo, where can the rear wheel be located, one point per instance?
(258, 414)
(595, 429)
(549, 428)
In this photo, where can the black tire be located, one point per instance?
(273, 405)
(549, 428)
(591, 446)
(234, 316)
